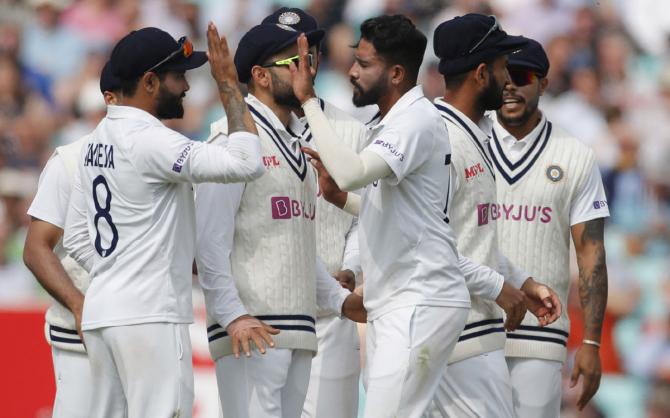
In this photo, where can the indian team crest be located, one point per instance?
(554, 173)
(289, 18)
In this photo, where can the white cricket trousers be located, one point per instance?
(270, 385)
(73, 384)
(536, 386)
(407, 352)
(333, 382)
(141, 371)
(476, 387)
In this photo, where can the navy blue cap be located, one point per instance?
(296, 18)
(262, 42)
(142, 49)
(464, 42)
(531, 57)
(108, 81)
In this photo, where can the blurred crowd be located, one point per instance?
(609, 85)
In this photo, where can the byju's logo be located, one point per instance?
(284, 207)
(483, 214)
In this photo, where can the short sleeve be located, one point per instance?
(590, 202)
(53, 193)
(403, 152)
(163, 155)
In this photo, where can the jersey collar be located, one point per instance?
(407, 99)
(129, 112)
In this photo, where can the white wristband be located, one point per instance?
(591, 342)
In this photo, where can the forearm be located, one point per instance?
(329, 294)
(49, 272)
(239, 160)
(348, 169)
(591, 261)
(512, 274)
(237, 112)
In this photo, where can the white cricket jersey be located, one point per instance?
(408, 250)
(131, 216)
(256, 248)
(473, 193)
(542, 192)
(50, 205)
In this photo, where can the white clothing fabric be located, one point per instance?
(536, 385)
(74, 384)
(473, 191)
(131, 217)
(333, 382)
(141, 371)
(403, 251)
(582, 206)
(407, 352)
(270, 385)
(256, 249)
(534, 216)
(50, 205)
(477, 387)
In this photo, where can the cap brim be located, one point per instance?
(197, 59)
(509, 44)
(525, 64)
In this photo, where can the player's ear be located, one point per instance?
(150, 82)
(481, 74)
(261, 76)
(543, 85)
(397, 74)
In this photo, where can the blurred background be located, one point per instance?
(609, 85)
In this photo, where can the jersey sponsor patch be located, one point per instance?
(474, 171)
(513, 212)
(179, 164)
(283, 207)
(600, 204)
(270, 161)
(554, 173)
(391, 148)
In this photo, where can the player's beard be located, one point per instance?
(528, 112)
(492, 96)
(168, 104)
(283, 94)
(370, 96)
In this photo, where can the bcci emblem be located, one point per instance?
(554, 173)
(289, 18)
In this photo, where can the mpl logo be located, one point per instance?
(473, 171)
(270, 161)
(283, 207)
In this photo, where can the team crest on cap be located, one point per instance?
(554, 173)
(289, 18)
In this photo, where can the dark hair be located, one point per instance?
(129, 86)
(455, 81)
(397, 40)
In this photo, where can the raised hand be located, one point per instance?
(302, 76)
(220, 60)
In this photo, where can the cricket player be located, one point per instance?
(473, 55)
(59, 274)
(549, 188)
(256, 246)
(131, 222)
(415, 293)
(333, 382)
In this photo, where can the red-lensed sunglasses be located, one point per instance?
(185, 48)
(521, 77)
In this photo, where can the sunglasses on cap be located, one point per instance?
(287, 61)
(521, 77)
(494, 27)
(185, 48)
